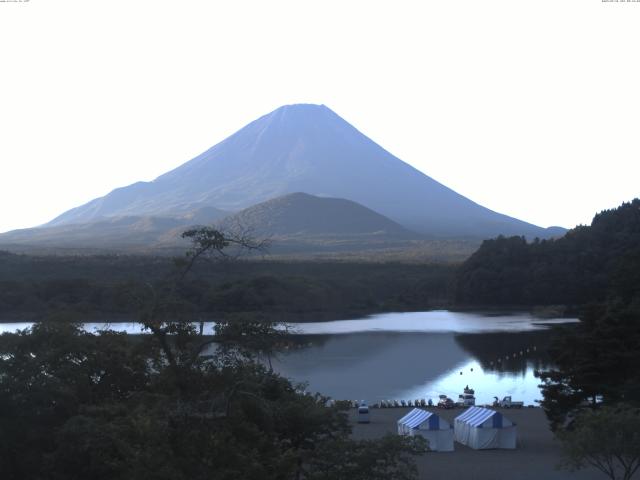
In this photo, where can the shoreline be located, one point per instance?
(289, 317)
(536, 456)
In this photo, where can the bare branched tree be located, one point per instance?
(207, 242)
(167, 316)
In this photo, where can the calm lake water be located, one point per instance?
(421, 355)
(411, 355)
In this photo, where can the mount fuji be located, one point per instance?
(300, 148)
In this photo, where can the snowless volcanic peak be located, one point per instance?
(304, 148)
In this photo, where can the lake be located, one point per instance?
(411, 355)
(421, 355)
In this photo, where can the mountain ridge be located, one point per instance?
(301, 215)
(305, 148)
(299, 221)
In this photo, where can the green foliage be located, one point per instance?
(607, 439)
(596, 362)
(75, 405)
(111, 287)
(250, 336)
(47, 375)
(596, 268)
(583, 266)
(342, 460)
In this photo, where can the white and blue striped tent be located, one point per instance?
(482, 428)
(437, 431)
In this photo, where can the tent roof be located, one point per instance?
(468, 413)
(417, 417)
(476, 416)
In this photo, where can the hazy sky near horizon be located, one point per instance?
(530, 108)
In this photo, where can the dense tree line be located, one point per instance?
(591, 395)
(596, 268)
(104, 286)
(596, 362)
(587, 265)
(77, 405)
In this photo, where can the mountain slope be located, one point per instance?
(113, 232)
(304, 148)
(300, 223)
(303, 215)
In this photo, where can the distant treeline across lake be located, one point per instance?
(108, 286)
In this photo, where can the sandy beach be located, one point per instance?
(536, 457)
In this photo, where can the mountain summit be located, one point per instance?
(304, 148)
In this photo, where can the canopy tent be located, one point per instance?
(481, 428)
(437, 431)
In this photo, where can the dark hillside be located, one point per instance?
(300, 214)
(584, 266)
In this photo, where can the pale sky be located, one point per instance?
(530, 108)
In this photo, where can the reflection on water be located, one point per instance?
(515, 352)
(522, 386)
(376, 366)
(434, 321)
(411, 355)
(370, 365)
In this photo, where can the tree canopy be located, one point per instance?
(607, 439)
(584, 266)
(169, 405)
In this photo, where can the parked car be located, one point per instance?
(363, 414)
(445, 402)
(506, 402)
(466, 400)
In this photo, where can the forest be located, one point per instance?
(106, 287)
(591, 395)
(582, 267)
(74, 405)
(587, 265)
(77, 405)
